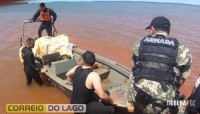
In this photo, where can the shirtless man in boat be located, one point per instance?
(86, 83)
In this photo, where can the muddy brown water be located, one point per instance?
(107, 28)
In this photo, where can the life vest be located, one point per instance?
(157, 58)
(45, 16)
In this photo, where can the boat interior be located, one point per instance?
(113, 75)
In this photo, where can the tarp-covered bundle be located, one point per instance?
(47, 45)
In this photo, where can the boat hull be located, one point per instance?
(114, 76)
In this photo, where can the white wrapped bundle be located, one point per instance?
(47, 45)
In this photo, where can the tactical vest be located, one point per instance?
(157, 57)
(45, 16)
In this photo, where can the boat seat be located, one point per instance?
(60, 68)
(103, 72)
(50, 57)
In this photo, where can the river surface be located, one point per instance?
(107, 28)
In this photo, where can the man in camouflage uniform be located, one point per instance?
(161, 65)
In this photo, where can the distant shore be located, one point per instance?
(12, 3)
(151, 2)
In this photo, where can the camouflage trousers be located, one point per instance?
(149, 109)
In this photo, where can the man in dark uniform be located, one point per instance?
(85, 82)
(194, 107)
(30, 68)
(45, 14)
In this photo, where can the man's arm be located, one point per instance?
(135, 52)
(36, 15)
(96, 82)
(130, 99)
(54, 15)
(30, 59)
(70, 73)
(184, 61)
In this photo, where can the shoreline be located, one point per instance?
(147, 2)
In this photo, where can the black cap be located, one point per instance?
(160, 22)
(42, 4)
(89, 58)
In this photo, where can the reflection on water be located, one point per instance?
(108, 28)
